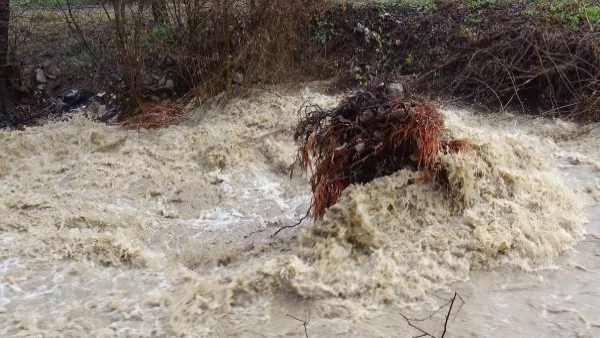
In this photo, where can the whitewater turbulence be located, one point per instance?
(107, 232)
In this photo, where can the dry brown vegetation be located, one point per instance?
(523, 55)
(155, 115)
(209, 41)
(544, 69)
(527, 55)
(199, 45)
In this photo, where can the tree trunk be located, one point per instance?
(5, 104)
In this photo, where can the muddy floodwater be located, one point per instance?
(113, 233)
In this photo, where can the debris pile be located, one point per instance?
(372, 133)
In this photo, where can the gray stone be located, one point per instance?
(71, 94)
(170, 84)
(360, 147)
(162, 82)
(236, 90)
(40, 76)
(238, 78)
(395, 89)
(102, 111)
(147, 79)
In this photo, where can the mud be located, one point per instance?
(168, 233)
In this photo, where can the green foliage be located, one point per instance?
(157, 34)
(476, 20)
(322, 32)
(429, 4)
(51, 3)
(574, 12)
(464, 31)
(592, 13)
(409, 60)
(476, 4)
(571, 12)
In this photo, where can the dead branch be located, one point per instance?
(551, 69)
(450, 304)
(304, 321)
(293, 225)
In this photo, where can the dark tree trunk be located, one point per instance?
(6, 107)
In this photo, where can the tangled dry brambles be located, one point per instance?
(154, 115)
(553, 69)
(369, 135)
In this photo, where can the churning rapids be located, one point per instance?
(113, 233)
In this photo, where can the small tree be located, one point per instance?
(6, 108)
(128, 24)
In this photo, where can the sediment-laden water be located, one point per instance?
(113, 233)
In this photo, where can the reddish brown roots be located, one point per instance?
(369, 135)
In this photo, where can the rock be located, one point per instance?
(41, 86)
(359, 147)
(395, 89)
(40, 76)
(170, 84)
(53, 72)
(147, 79)
(162, 82)
(71, 94)
(102, 112)
(236, 90)
(238, 78)
(77, 98)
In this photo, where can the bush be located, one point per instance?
(195, 45)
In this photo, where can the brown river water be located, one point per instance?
(113, 233)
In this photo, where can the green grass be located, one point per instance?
(409, 3)
(572, 12)
(575, 12)
(50, 3)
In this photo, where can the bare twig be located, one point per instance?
(293, 225)
(450, 304)
(304, 321)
